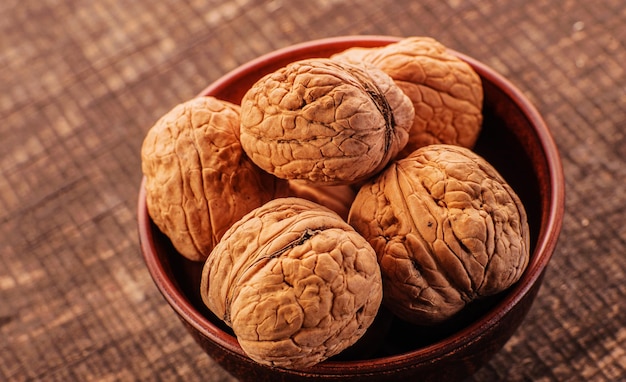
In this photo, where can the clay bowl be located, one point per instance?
(514, 139)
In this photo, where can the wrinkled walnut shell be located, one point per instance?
(447, 230)
(446, 92)
(324, 121)
(295, 282)
(198, 179)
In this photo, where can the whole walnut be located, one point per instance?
(446, 92)
(295, 282)
(447, 230)
(198, 180)
(324, 121)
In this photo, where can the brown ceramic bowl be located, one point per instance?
(514, 139)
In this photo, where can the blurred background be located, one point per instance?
(82, 81)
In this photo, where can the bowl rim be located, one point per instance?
(551, 222)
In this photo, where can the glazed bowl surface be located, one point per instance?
(514, 139)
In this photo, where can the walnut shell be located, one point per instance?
(447, 230)
(336, 198)
(295, 282)
(446, 92)
(198, 180)
(324, 121)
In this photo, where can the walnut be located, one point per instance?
(295, 282)
(447, 230)
(324, 121)
(446, 92)
(198, 180)
(337, 198)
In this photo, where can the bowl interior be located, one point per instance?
(514, 139)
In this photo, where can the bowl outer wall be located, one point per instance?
(459, 347)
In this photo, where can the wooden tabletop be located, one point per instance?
(82, 81)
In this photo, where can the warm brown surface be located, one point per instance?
(83, 81)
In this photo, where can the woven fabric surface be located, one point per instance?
(82, 81)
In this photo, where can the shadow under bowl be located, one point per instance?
(514, 139)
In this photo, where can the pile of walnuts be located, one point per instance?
(337, 185)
